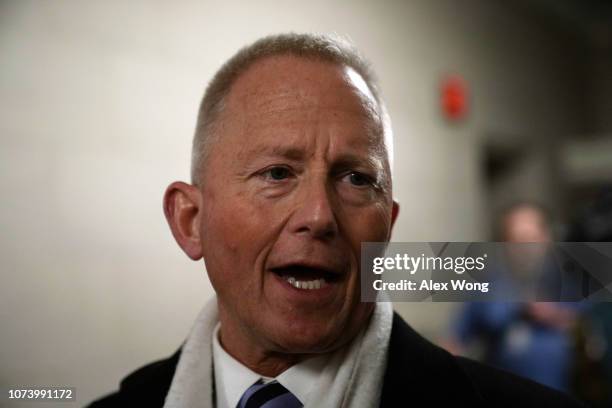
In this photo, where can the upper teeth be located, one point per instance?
(312, 284)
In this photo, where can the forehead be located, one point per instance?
(306, 80)
(525, 218)
(286, 89)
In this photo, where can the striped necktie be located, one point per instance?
(269, 395)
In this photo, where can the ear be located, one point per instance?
(182, 204)
(394, 213)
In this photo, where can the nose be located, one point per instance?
(315, 215)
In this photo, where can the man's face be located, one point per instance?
(526, 224)
(296, 181)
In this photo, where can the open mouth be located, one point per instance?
(307, 277)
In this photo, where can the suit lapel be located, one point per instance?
(420, 372)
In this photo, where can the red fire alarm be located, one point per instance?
(454, 98)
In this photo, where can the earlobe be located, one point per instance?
(182, 211)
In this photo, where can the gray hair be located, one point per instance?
(314, 46)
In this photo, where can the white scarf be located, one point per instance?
(352, 378)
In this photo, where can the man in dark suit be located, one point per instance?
(291, 172)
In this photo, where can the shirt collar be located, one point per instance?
(232, 378)
(300, 378)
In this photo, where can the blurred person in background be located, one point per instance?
(532, 339)
(592, 379)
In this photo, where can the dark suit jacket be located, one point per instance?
(418, 374)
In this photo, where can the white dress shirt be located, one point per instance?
(232, 378)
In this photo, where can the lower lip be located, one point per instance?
(325, 292)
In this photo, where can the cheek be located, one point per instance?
(227, 221)
(221, 237)
(236, 232)
(371, 224)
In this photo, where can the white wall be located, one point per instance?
(98, 106)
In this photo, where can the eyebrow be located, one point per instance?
(349, 160)
(345, 160)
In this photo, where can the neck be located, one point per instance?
(258, 360)
(262, 359)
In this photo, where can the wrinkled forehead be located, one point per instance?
(281, 83)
